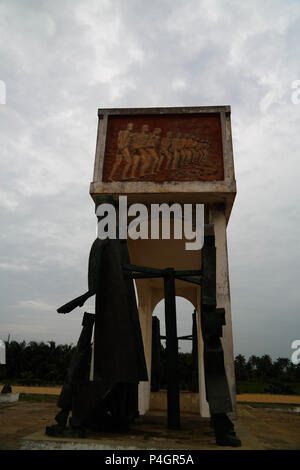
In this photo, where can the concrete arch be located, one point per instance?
(186, 294)
(161, 254)
(184, 314)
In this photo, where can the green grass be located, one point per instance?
(269, 405)
(36, 397)
(250, 386)
(273, 387)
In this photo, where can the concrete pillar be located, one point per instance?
(148, 298)
(218, 219)
(145, 315)
(203, 404)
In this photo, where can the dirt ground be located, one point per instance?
(38, 390)
(258, 428)
(245, 397)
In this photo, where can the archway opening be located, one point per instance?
(187, 347)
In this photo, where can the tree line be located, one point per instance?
(277, 376)
(36, 363)
(40, 363)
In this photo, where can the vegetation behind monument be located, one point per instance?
(39, 363)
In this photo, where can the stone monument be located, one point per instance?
(161, 156)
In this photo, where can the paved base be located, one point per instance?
(23, 423)
(9, 397)
(148, 433)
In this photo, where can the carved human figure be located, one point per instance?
(152, 147)
(123, 152)
(187, 150)
(176, 147)
(139, 149)
(196, 150)
(165, 151)
(203, 149)
(193, 147)
(182, 149)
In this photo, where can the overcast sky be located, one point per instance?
(62, 60)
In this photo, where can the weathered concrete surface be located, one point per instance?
(189, 402)
(148, 433)
(258, 429)
(9, 397)
(206, 192)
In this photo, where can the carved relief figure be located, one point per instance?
(144, 153)
(176, 148)
(139, 149)
(165, 151)
(124, 151)
(203, 150)
(152, 148)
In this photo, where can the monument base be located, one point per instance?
(9, 397)
(149, 432)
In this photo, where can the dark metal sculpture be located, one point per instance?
(109, 402)
(156, 364)
(195, 377)
(212, 321)
(76, 374)
(169, 275)
(6, 389)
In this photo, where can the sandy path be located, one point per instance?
(245, 397)
(39, 390)
(268, 398)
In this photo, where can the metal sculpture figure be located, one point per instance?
(109, 401)
(212, 321)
